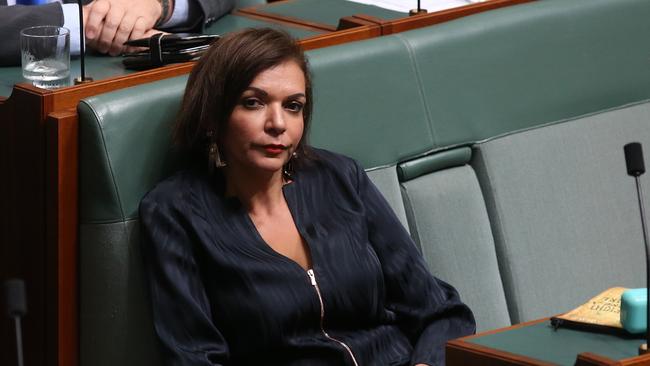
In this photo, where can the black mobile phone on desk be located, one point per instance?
(166, 49)
(176, 40)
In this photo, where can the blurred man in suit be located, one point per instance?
(108, 23)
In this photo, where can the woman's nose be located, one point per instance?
(275, 120)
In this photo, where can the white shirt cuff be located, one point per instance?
(179, 14)
(71, 21)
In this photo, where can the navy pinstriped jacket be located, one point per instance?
(222, 296)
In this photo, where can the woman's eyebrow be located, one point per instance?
(263, 93)
(257, 90)
(296, 96)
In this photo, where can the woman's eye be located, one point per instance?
(251, 103)
(294, 106)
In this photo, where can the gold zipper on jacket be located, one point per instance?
(312, 277)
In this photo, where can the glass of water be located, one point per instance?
(45, 52)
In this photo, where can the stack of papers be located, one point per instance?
(405, 5)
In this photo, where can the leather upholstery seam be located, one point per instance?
(418, 79)
(498, 234)
(107, 157)
(563, 120)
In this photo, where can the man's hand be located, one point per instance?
(110, 23)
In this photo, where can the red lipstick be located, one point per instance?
(273, 149)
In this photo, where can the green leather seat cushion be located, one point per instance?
(448, 219)
(116, 326)
(368, 102)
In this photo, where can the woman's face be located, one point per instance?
(266, 124)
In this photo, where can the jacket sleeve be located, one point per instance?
(428, 310)
(17, 17)
(201, 14)
(215, 9)
(181, 309)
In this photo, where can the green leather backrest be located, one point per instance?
(530, 64)
(367, 102)
(125, 148)
(125, 137)
(564, 211)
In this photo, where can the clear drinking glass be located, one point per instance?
(45, 52)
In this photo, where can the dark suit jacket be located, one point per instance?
(14, 18)
(222, 296)
(210, 10)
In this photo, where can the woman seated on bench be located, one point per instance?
(269, 252)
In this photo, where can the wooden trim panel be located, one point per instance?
(62, 171)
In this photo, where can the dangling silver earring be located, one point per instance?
(214, 157)
(287, 171)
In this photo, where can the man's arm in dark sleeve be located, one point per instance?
(17, 17)
(201, 13)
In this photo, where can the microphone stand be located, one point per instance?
(19, 340)
(643, 349)
(417, 11)
(16, 302)
(82, 42)
(635, 168)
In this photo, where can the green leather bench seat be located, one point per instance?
(327, 11)
(125, 149)
(507, 128)
(447, 217)
(564, 211)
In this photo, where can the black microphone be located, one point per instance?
(634, 159)
(16, 308)
(635, 168)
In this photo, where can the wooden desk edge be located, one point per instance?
(424, 20)
(459, 352)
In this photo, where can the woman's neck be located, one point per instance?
(259, 192)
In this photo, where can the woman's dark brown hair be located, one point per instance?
(221, 76)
